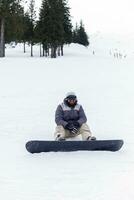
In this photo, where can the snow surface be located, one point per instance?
(31, 89)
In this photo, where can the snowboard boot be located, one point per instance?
(59, 138)
(91, 138)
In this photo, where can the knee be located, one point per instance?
(59, 133)
(85, 127)
(60, 128)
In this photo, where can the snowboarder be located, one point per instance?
(71, 119)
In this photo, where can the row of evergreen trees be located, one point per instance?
(52, 30)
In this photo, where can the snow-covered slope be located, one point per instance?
(111, 44)
(31, 89)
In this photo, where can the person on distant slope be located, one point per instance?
(71, 120)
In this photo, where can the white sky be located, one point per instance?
(108, 16)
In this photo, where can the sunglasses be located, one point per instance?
(71, 99)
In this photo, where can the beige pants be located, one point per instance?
(84, 131)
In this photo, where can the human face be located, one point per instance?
(72, 101)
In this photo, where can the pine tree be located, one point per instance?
(75, 34)
(26, 30)
(55, 29)
(80, 36)
(32, 23)
(42, 28)
(14, 26)
(7, 9)
(4, 8)
(67, 25)
(54, 25)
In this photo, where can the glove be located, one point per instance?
(76, 124)
(69, 126)
(76, 127)
(74, 131)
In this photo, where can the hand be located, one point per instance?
(76, 127)
(74, 131)
(76, 124)
(69, 126)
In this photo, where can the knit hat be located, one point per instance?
(71, 95)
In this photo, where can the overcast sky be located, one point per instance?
(108, 16)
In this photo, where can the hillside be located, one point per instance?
(31, 89)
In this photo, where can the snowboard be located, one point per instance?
(38, 146)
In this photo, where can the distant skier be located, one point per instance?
(71, 119)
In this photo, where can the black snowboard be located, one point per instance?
(38, 146)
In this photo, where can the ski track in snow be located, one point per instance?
(31, 89)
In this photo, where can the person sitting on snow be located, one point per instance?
(71, 120)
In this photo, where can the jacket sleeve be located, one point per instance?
(82, 116)
(59, 117)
